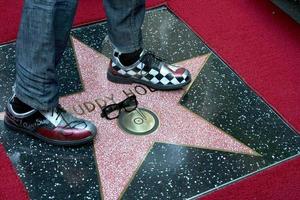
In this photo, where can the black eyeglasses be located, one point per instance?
(113, 111)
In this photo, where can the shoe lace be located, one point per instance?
(150, 58)
(59, 110)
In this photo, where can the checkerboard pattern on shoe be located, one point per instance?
(149, 70)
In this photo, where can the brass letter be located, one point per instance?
(79, 113)
(101, 103)
(142, 91)
(128, 93)
(89, 106)
(151, 89)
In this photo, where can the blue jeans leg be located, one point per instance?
(64, 16)
(125, 19)
(42, 38)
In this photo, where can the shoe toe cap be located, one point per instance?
(91, 128)
(183, 74)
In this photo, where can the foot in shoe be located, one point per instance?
(148, 70)
(56, 126)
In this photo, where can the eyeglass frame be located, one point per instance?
(119, 106)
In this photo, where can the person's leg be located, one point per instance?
(42, 38)
(36, 81)
(130, 63)
(125, 19)
(63, 20)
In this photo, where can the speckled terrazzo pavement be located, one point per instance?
(264, 130)
(245, 116)
(219, 96)
(52, 172)
(168, 171)
(116, 151)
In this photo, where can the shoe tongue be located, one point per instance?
(53, 116)
(150, 61)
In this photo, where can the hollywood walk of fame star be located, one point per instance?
(119, 154)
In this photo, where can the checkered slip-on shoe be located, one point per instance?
(149, 70)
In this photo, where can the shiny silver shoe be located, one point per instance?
(56, 126)
(149, 70)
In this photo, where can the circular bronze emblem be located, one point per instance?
(138, 122)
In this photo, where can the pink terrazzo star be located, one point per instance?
(119, 154)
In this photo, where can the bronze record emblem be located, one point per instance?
(138, 122)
